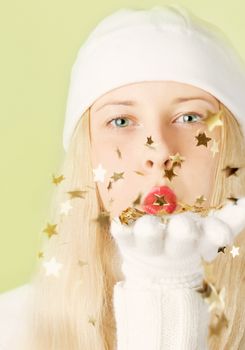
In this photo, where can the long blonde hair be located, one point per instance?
(74, 310)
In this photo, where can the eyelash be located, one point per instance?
(122, 116)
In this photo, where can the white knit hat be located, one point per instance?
(162, 43)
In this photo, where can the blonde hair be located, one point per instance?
(74, 310)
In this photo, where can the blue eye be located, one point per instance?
(190, 114)
(118, 122)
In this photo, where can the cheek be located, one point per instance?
(196, 176)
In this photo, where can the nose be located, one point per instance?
(157, 157)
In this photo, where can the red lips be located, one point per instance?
(160, 198)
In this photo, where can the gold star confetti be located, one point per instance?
(200, 200)
(214, 148)
(212, 120)
(58, 179)
(82, 263)
(160, 200)
(169, 173)
(235, 251)
(233, 199)
(222, 249)
(76, 194)
(65, 207)
(99, 173)
(119, 153)
(216, 299)
(103, 218)
(177, 159)
(149, 142)
(109, 186)
(137, 200)
(202, 139)
(205, 290)
(50, 230)
(129, 215)
(40, 255)
(216, 326)
(92, 320)
(230, 171)
(52, 267)
(139, 173)
(117, 176)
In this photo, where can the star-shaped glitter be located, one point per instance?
(216, 328)
(92, 320)
(50, 230)
(214, 148)
(58, 179)
(232, 199)
(52, 267)
(109, 185)
(139, 172)
(82, 263)
(212, 120)
(202, 139)
(230, 171)
(177, 159)
(119, 153)
(222, 249)
(103, 218)
(235, 251)
(160, 199)
(65, 207)
(216, 299)
(201, 199)
(149, 143)
(40, 255)
(77, 193)
(117, 176)
(169, 173)
(99, 173)
(137, 200)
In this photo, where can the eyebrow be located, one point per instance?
(134, 103)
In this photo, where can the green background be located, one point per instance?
(39, 43)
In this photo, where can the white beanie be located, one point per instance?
(162, 43)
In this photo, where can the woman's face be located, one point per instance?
(125, 122)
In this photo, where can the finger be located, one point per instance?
(182, 235)
(216, 233)
(149, 235)
(122, 233)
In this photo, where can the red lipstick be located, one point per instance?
(161, 198)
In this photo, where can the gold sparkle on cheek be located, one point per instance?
(213, 120)
(202, 139)
(117, 176)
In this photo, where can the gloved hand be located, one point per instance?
(170, 253)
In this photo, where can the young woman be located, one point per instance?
(151, 198)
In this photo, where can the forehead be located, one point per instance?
(164, 89)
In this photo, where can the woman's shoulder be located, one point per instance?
(14, 306)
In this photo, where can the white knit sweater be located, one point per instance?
(156, 307)
(147, 318)
(153, 318)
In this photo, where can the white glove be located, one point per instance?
(170, 253)
(157, 306)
